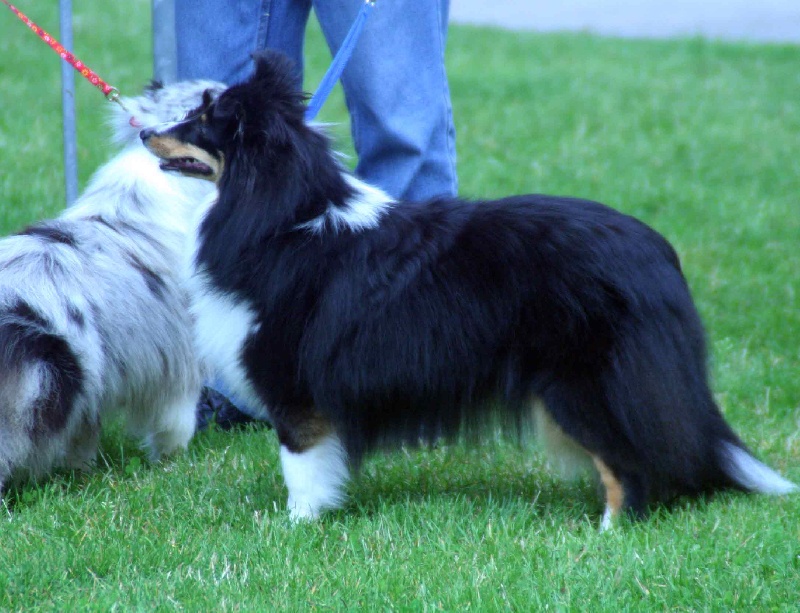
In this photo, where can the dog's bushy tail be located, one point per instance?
(750, 474)
(670, 434)
(40, 377)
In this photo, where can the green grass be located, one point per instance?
(699, 139)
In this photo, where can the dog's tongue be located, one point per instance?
(134, 122)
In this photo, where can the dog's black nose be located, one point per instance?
(146, 133)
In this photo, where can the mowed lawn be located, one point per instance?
(699, 139)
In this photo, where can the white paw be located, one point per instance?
(608, 520)
(315, 478)
(301, 511)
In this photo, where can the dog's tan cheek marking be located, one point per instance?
(168, 148)
(615, 493)
(220, 168)
(164, 146)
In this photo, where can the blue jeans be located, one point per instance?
(395, 83)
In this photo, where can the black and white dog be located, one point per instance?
(93, 318)
(356, 321)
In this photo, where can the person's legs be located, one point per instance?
(397, 94)
(216, 38)
(395, 82)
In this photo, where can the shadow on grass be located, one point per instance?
(510, 481)
(489, 477)
(238, 473)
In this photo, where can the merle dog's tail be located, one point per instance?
(40, 377)
(29, 343)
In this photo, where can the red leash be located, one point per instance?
(109, 91)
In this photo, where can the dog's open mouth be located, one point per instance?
(187, 165)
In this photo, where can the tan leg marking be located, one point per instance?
(302, 429)
(312, 430)
(615, 493)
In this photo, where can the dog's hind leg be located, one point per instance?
(23, 388)
(82, 446)
(578, 414)
(570, 459)
(565, 456)
(173, 427)
(619, 493)
(314, 462)
(12, 450)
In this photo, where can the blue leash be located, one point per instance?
(339, 62)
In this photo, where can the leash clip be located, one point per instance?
(114, 96)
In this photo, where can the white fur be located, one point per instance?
(363, 211)
(608, 519)
(753, 475)
(315, 478)
(222, 326)
(112, 290)
(173, 428)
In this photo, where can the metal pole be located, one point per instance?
(68, 107)
(165, 62)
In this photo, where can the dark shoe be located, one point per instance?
(214, 407)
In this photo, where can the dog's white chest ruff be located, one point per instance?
(222, 327)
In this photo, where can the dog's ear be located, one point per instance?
(207, 99)
(279, 85)
(276, 68)
(152, 87)
(230, 112)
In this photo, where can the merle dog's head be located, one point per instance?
(158, 105)
(258, 118)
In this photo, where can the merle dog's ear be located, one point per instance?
(207, 99)
(205, 104)
(153, 87)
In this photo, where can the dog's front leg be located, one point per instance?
(315, 466)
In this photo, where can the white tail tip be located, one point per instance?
(751, 474)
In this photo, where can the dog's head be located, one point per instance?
(159, 105)
(260, 118)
